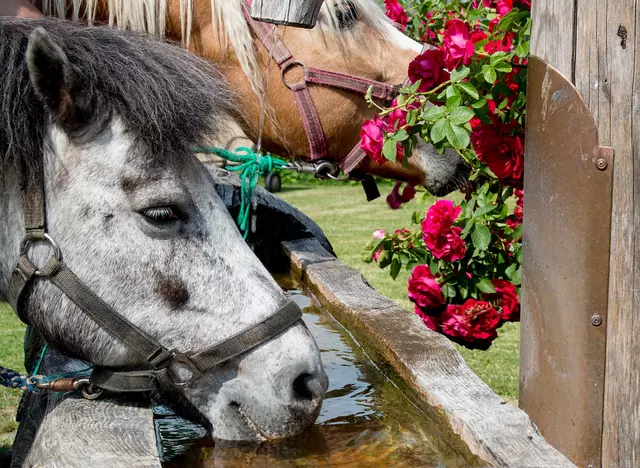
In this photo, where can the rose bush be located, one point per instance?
(466, 92)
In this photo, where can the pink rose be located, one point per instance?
(378, 234)
(372, 139)
(430, 321)
(502, 6)
(428, 67)
(474, 322)
(457, 44)
(396, 13)
(513, 222)
(440, 217)
(448, 247)
(424, 290)
(376, 254)
(395, 199)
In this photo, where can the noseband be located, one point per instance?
(306, 107)
(159, 367)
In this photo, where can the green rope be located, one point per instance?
(252, 166)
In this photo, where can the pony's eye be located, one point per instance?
(163, 214)
(346, 15)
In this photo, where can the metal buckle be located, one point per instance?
(288, 67)
(31, 238)
(182, 360)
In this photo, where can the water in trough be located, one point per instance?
(366, 420)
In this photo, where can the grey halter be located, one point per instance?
(160, 368)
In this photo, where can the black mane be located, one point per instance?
(168, 97)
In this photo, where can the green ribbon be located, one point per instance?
(252, 166)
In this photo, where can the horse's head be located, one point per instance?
(352, 37)
(111, 118)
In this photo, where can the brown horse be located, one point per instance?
(352, 37)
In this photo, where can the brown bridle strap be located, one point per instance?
(307, 109)
(160, 368)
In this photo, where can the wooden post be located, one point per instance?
(594, 44)
(299, 13)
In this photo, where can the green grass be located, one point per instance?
(11, 355)
(348, 220)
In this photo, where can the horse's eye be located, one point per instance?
(346, 15)
(163, 214)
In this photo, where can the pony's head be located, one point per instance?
(351, 37)
(110, 117)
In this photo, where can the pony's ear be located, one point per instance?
(56, 81)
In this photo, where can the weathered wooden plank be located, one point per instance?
(552, 37)
(495, 431)
(621, 443)
(106, 432)
(299, 13)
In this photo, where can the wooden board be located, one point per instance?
(594, 43)
(298, 13)
(494, 430)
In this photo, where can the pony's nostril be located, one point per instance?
(307, 387)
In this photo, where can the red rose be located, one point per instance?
(518, 211)
(395, 199)
(372, 139)
(440, 217)
(428, 67)
(513, 222)
(509, 301)
(457, 44)
(472, 321)
(502, 153)
(395, 11)
(502, 6)
(431, 322)
(424, 290)
(526, 4)
(448, 247)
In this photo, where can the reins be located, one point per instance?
(159, 368)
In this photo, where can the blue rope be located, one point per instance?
(29, 382)
(252, 166)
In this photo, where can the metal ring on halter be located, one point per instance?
(289, 67)
(31, 238)
(182, 361)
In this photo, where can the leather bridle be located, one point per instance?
(306, 107)
(159, 368)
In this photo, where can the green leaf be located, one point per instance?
(390, 149)
(412, 117)
(497, 58)
(401, 135)
(485, 286)
(517, 277)
(396, 264)
(452, 90)
(481, 237)
(385, 258)
(448, 291)
(438, 132)
(460, 115)
(459, 74)
(479, 104)
(369, 93)
(489, 74)
(503, 67)
(522, 50)
(517, 233)
(457, 136)
(433, 113)
(511, 271)
(469, 89)
(484, 210)
(453, 102)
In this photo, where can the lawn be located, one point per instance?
(348, 221)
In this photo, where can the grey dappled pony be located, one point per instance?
(114, 115)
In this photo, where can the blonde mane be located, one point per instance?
(229, 25)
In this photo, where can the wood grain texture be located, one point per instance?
(603, 45)
(101, 433)
(300, 13)
(496, 432)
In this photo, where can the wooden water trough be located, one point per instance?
(71, 431)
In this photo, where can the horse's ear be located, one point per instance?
(55, 79)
